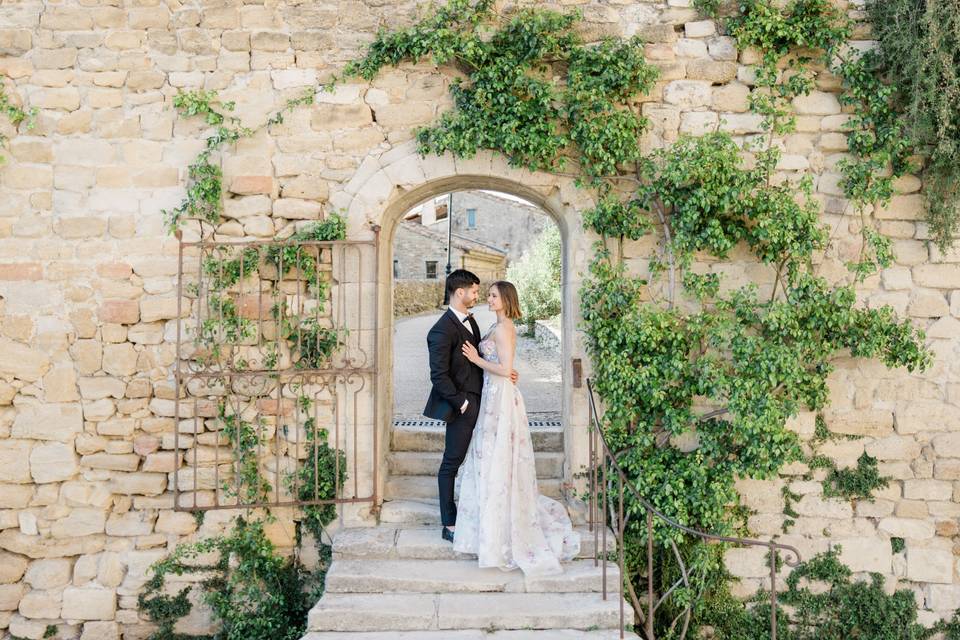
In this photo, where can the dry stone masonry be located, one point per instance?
(88, 274)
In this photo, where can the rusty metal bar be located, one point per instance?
(620, 558)
(376, 361)
(773, 592)
(650, 607)
(602, 549)
(178, 372)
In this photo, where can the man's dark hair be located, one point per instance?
(460, 279)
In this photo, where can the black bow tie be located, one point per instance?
(467, 319)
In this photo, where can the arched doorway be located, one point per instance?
(388, 185)
(496, 236)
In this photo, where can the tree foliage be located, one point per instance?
(255, 593)
(679, 354)
(699, 374)
(919, 55)
(823, 601)
(537, 277)
(509, 100)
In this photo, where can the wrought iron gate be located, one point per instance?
(276, 373)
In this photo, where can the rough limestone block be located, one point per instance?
(921, 415)
(927, 489)
(747, 562)
(52, 462)
(100, 630)
(89, 603)
(687, 93)
(10, 595)
(15, 460)
(80, 522)
(12, 567)
(22, 361)
(817, 103)
(42, 605)
(700, 29)
(868, 422)
(907, 528)
(866, 554)
(937, 276)
(53, 421)
(929, 565)
(49, 574)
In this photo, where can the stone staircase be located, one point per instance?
(416, 450)
(401, 581)
(404, 581)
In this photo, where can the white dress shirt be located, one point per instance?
(462, 317)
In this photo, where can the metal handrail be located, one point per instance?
(602, 459)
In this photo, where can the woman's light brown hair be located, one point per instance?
(511, 301)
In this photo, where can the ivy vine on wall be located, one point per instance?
(253, 591)
(918, 54)
(15, 114)
(677, 352)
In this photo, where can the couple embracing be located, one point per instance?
(500, 516)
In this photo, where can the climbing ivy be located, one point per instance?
(823, 602)
(14, 113)
(918, 54)
(323, 470)
(204, 195)
(678, 352)
(510, 100)
(253, 591)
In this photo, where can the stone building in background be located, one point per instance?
(420, 253)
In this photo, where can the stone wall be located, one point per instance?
(413, 297)
(88, 274)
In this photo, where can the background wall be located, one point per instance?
(87, 276)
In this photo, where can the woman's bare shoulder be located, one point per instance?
(507, 329)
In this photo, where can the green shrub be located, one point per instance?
(537, 277)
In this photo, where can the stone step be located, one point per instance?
(410, 512)
(422, 543)
(490, 611)
(473, 634)
(421, 512)
(425, 463)
(461, 576)
(430, 438)
(425, 488)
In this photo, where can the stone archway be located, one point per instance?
(388, 185)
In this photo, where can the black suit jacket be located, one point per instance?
(451, 374)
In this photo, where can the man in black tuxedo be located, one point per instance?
(457, 383)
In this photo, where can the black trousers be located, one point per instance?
(456, 442)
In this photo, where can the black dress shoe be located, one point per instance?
(446, 534)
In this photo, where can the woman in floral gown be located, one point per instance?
(502, 518)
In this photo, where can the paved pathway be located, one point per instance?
(539, 367)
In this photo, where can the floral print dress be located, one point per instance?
(501, 516)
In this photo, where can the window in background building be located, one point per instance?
(396, 268)
(431, 269)
(471, 218)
